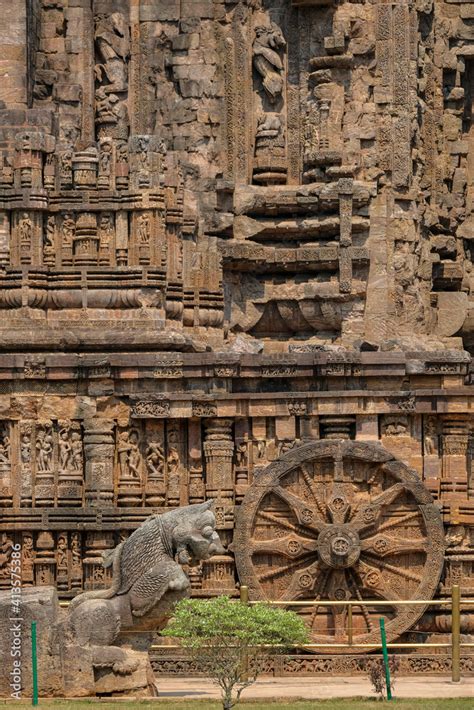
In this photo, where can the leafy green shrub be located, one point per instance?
(229, 641)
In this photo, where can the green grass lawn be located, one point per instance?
(347, 704)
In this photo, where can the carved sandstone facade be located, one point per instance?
(236, 263)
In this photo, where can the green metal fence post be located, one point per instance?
(34, 663)
(385, 658)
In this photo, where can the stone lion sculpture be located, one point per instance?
(108, 625)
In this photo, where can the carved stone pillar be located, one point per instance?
(4, 238)
(84, 168)
(242, 456)
(431, 458)
(45, 561)
(196, 482)
(86, 240)
(455, 440)
(345, 189)
(28, 167)
(95, 575)
(121, 238)
(99, 449)
(334, 427)
(219, 450)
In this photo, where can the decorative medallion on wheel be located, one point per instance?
(336, 520)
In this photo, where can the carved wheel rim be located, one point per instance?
(341, 520)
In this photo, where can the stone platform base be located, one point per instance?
(167, 666)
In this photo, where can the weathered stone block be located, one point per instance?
(38, 604)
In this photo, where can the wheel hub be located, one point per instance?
(339, 546)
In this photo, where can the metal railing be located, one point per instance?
(454, 602)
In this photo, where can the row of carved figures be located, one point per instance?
(87, 238)
(38, 161)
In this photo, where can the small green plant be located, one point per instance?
(376, 672)
(230, 641)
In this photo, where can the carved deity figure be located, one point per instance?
(48, 242)
(76, 450)
(155, 460)
(76, 550)
(105, 157)
(25, 448)
(65, 450)
(4, 445)
(6, 546)
(143, 229)
(106, 229)
(65, 163)
(25, 231)
(261, 448)
(241, 454)
(112, 44)
(129, 455)
(267, 45)
(44, 449)
(69, 229)
(105, 105)
(431, 436)
(173, 460)
(61, 551)
(143, 157)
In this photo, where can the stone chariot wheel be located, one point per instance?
(336, 520)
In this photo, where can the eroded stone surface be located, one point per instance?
(227, 229)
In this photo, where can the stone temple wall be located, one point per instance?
(230, 229)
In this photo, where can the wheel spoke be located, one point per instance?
(339, 589)
(281, 522)
(317, 499)
(302, 583)
(372, 580)
(305, 515)
(277, 571)
(401, 572)
(369, 514)
(398, 522)
(291, 546)
(320, 588)
(363, 608)
(385, 545)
